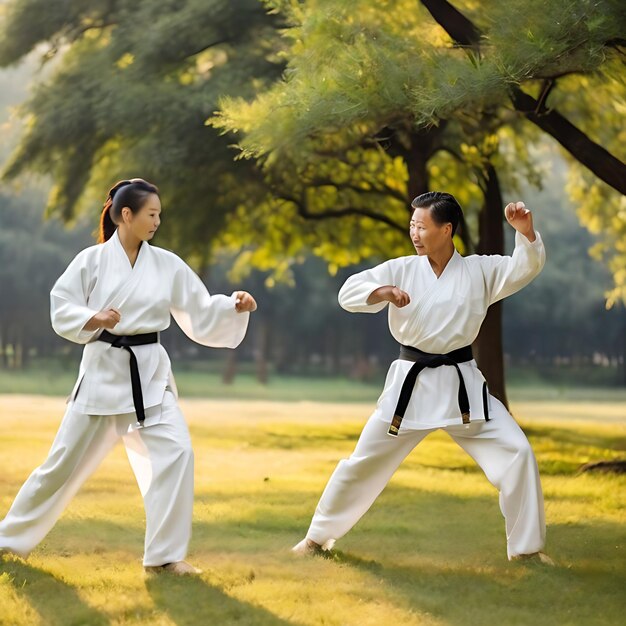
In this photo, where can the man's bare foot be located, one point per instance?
(536, 557)
(179, 568)
(5, 552)
(307, 547)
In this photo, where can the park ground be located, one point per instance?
(430, 551)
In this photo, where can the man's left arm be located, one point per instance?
(505, 275)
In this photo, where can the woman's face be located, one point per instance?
(427, 236)
(145, 222)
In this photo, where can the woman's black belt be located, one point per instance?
(422, 360)
(125, 342)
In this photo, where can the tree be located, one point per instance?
(379, 101)
(33, 254)
(133, 85)
(382, 101)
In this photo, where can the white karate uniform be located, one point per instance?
(101, 411)
(445, 314)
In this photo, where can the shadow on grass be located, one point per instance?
(535, 594)
(97, 536)
(436, 553)
(585, 588)
(191, 600)
(56, 602)
(574, 438)
(345, 558)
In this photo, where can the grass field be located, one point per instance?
(204, 380)
(430, 551)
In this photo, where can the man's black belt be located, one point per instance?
(125, 342)
(422, 360)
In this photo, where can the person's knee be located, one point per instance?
(524, 451)
(357, 468)
(183, 452)
(186, 450)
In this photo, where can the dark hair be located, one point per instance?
(131, 193)
(444, 208)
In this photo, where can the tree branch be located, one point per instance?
(460, 29)
(546, 89)
(385, 190)
(304, 212)
(592, 155)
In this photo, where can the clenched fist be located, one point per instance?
(518, 216)
(390, 293)
(109, 318)
(244, 302)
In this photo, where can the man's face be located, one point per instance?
(427, 236)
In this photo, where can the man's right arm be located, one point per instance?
(368, 291)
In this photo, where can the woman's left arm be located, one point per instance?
(217, 321)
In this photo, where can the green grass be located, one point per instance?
(59, 380)
(204, 381)
(430, 551)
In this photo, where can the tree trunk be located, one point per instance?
(488, 346)
(230, 369)
(18, 362)
(261, 352)
(416, 158)
(623, 380)
(4, 362)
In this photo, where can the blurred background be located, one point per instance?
(287, 139)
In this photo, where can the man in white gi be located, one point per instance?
(125, 388)
(437, 302)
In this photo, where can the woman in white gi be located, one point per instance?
(116, 297)
(437, 303)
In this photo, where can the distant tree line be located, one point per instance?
(299, 327)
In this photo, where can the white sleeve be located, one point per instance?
(68, 302)
(208, 320)
(357, 289)
(505, 275)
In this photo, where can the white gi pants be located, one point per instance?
(160, 456)
(498, 446)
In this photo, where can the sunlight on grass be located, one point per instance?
(431, 551)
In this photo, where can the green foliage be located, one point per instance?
(386, 62)
(376, 103)
(562, 312)
(363, 76)
(600, 209)
(130, 96)
(56, 22)
(33, 254)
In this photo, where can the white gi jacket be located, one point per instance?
(444, 314)
(159, 284)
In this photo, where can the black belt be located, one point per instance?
(125, 342)
(422, 360)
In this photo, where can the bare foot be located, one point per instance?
(307, 547)
(179, 568)
(5, 552)
(536, 557)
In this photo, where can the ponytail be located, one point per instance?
(133, 197)
(107, 227)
